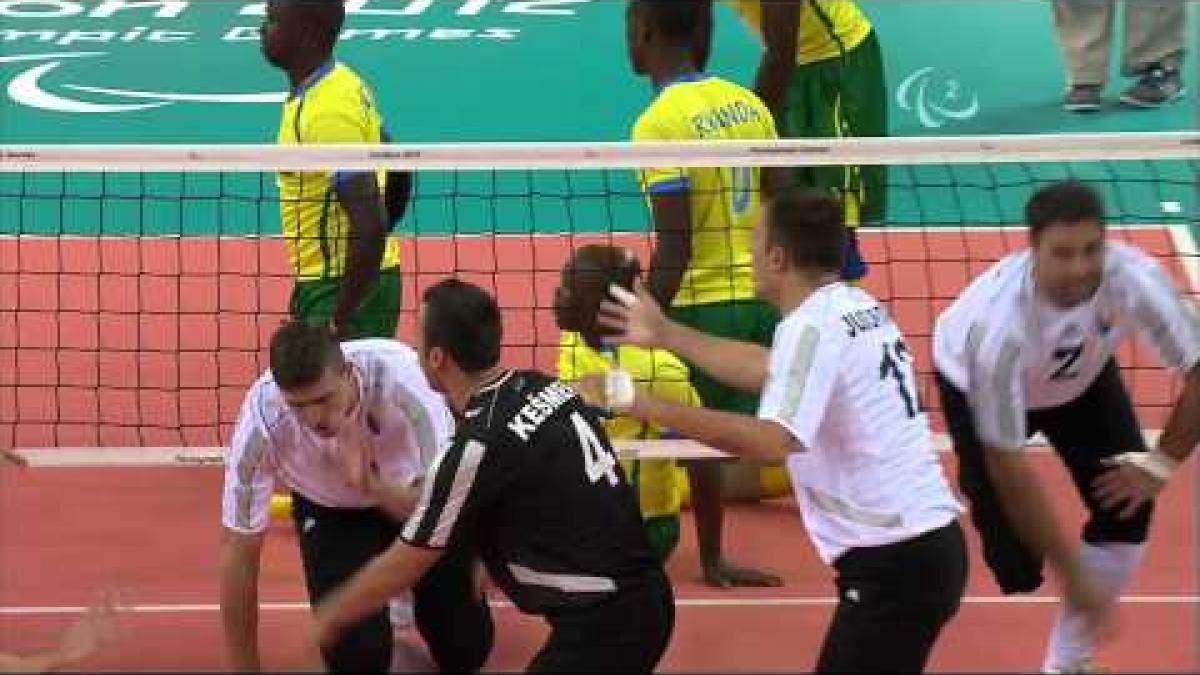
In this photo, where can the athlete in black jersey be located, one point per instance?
(533, 482)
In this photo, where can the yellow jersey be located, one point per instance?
(725, 202)
(823, 25)
(333, 106)
(659, 481)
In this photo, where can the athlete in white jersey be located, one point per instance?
(350, 429)
(839, 406)
(1029, 346)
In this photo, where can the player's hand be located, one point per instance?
(356, 454)
(633, 318)
(1135, 479)
(724, 574)
(12, 458)
(613, 390)
(96, 628)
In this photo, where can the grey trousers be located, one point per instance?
(1154, 33)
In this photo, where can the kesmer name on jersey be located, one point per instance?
(863, 320)
(531, 415)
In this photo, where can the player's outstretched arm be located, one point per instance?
(398, 568)
(1024, 501)
(240, 556)
(88, 634)
(638, 319)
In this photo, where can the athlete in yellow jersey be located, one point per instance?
(334, 223)
(703, 219)
(821, 74)
(585, 279)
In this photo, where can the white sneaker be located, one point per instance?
(1083, 667)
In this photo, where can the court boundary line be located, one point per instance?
(702, 603)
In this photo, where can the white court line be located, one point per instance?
(1189, 254)
(679, 602)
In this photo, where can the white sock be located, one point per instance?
(1110, 567)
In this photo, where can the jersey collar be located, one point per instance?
(686, 77)
(311, 81)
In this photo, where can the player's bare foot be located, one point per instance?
(725, 574)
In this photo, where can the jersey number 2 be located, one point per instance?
(598, 461)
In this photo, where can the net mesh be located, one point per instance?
(139, 285)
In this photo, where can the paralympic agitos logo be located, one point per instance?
(38, 37)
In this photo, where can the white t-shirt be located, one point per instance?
(1010, 351)
(405, 422)
(841, 381)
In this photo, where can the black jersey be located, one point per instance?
(533, 482)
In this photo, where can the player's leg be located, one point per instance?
(1153, 51)
(1099, 424)
(377, 316)
(334, 544)
(452, 613)
(714, 482)
(627, 634)
(1015, 567)
(893, 602)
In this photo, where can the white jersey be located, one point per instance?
(1010, 351)
(405, 422)
(841, 380)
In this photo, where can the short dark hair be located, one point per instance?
(809, 225)
(327, 15)
(594, 268)
(301, 352)
(1067, 201)
(676, 19)
(464, 320)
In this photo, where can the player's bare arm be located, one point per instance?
(240, 557)
(779, 21)
(359, 196)
(672, 243)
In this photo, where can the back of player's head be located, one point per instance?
(678, 20)
(808, 224)
(301, 352)
(586, 278)
(1065, 202)
(464, 321)
(324, 17)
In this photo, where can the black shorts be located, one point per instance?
(893, 602)
(452, 616)
(1099, 424)
(628, 633)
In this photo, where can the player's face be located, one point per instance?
(326, 405)
(280, 33)
(1069, 261)
(766, 260)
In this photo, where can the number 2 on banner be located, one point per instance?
(598, 461)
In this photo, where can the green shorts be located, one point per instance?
(746, 320)
(843, 97)
(664, 535)
(377, 316)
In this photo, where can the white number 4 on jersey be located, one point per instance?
(598, 461)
